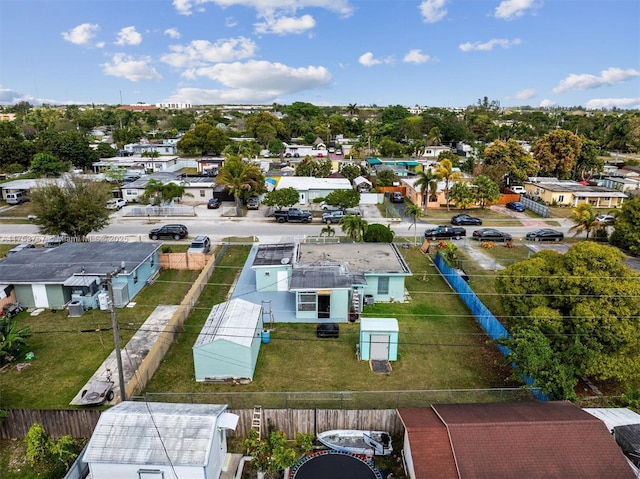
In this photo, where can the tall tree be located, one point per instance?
(557, 153)
(508, 158)
(445, 170)
(462, 195)
(354, 227)
(283, 198)
(626, 233)
(486, 191)
(313, 167)
(76, 207)
(415, 212)
(584, 218)
(44, 164)
(241, 178)
(427, 184)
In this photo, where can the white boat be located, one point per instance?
(348, 440)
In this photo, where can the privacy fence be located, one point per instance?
(488, 322)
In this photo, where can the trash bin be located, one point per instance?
(266, 336)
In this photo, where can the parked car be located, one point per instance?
(333, 216)
(327, 207)
(445, 232)
(16, 198)
(397, 197)
(465, 220)
(545, 234)
(116, 203)
(20, 247)
(214, 203)
(200, 244)
(490, 234)
(293, 215)
(253, 203)
(516, 206)
(605, 218)
(518, 189)
(55, 241)
(172, 231)
(328, 330)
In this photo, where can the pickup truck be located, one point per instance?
(445, 232)
(293, 215)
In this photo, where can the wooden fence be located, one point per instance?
(80, 423)
(184, 261)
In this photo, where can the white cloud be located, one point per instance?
(128, 36)
(286, 25)
(172, 33)
(546, 103)
(526, 94)
(433, 10)
(488, 46)
(201, 52)
(125, 66)
(586, 81)
(606, 103)
(186, 7)
(257, 81)
(510, 9)
(416, 56)
(368, 60)
(82, 34)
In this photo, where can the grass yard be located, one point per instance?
(69, 350)
(442, 346)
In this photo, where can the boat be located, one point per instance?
(357, 441)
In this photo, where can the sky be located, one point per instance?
(441, 53)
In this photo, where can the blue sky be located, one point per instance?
(445, 53)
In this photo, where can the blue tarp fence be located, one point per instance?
(488, 322)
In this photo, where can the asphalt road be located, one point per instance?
(217, 225)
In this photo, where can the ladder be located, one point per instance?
(256, 420)
(268, 312)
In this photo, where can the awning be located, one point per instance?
(81, 280)
(411, 163)
(374, 161)
(228, 420)
(401, 163)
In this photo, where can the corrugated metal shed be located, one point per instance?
(614, 416)
(233, 321)
(154, 433)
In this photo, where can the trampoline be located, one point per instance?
(334, 464)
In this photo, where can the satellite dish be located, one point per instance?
(284, 261)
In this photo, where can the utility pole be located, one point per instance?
(116, 332)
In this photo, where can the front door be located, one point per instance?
(379, 347)
(40, 299)
(324, 306)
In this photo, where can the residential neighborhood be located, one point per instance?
(173, 338)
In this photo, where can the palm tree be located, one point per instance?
(585, 219)
(354, 227)
(240, 177)
(427, 183)
(434, 137)
(329, 230)
(444, 168)
(415, 212)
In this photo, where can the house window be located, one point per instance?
(135, 276)
(132, 192)
(150, 474)
(201, 193)
(383, 285)
(153, 260)
(560, 198)
(307, 301)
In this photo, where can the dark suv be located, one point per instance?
(176, 232)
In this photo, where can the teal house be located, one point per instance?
(228, 345)
(331, 282)
(379, 339)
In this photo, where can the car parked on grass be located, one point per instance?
(545, 234)
(463, 219)
(214, 203)
(171, 231)
(515, 206)
(490, 234)
(445, 232)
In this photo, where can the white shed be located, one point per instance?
(229, 342)
(379, 339)
(148, 440)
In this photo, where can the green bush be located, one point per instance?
(377, 233)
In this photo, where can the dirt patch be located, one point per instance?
(16, 451)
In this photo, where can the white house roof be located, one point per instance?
(154, 433)
(358, 180)
(311, 183)
(234, 321)
(379, 324)
(614, 416)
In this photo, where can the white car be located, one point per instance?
(605, 219)
(116, 203)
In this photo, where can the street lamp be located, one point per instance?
(116, 329)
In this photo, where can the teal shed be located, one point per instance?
(379, 339)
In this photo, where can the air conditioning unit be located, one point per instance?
(121, 295)
(75, 309)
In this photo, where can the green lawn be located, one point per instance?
(442, 346)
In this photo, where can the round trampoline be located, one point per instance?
(334, 464)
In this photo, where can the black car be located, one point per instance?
(176, 232)
(490, 234)
(516, 206)
(465, 220)
(545, 234)
(214, 204)
(445, 232)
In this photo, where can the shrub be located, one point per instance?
(509, 244)
(488, 244)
